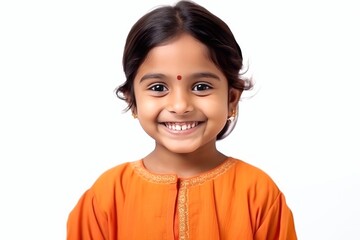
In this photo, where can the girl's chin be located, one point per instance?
(180, 147)
(186, 146)
(181, 150)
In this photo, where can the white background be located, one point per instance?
(61, 125)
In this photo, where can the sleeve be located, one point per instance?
(86, 220)
(278, 223)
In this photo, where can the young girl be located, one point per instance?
(182, 67)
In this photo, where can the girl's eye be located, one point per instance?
(158, 88)
(201, 87)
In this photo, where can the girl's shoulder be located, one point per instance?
(252, 178)
(115, 174)
(110, 185)
(249, 170)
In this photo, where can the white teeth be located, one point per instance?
(180, 126)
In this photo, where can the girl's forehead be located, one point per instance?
(184, 55)
(184, 46)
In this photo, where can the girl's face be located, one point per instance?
(182, 98)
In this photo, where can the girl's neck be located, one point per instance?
(184, 165)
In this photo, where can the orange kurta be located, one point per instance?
(233, 201)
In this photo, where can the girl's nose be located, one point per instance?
(180, 102)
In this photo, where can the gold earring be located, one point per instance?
(134, 115)
(232, 117)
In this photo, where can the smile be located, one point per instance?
(177, 126)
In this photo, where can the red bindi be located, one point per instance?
(178, 77)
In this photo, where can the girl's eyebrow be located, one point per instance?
(152, 76)
(193, 76)
(205, 75)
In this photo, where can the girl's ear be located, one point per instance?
(129, 99)
(133, 110)
(234, 98)
(134, 114)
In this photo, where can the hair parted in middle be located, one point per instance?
(163, 24)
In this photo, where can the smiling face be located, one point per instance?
(182, 98)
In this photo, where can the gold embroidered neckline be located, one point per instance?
(172, 178)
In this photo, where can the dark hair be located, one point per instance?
(167, 22)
